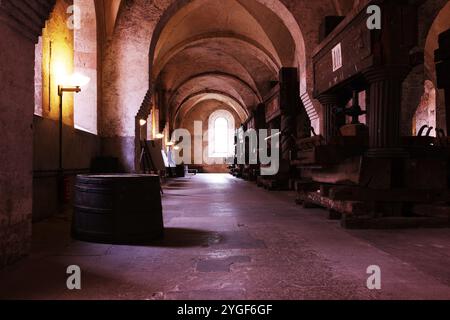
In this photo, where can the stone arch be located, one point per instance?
(223, 97)
(21, 24)
(440, 24)
(278, 9)
(219, 74)
(140, 23)
(276, 6)
(271, 62)
(214, 83)
(432, 16)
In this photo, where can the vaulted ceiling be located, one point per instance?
(228, 51)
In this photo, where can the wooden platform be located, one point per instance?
(272, 183)
(349, 222)
(369, 214)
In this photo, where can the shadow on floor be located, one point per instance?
(182, 238)
(173, 238)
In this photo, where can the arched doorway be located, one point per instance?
(229, 52)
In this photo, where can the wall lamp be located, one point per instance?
(71, 84)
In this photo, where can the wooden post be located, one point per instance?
(384, 108)
(290, 106)
(330, 126)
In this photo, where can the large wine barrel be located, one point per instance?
(122, 208)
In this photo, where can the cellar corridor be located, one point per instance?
(303, 148)
(228, 239)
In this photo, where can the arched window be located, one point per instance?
(221, 137)
(221, 134)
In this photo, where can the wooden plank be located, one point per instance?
(361, 48)
(342, 207)
(356, 45)
(349, 193)
(350, 222)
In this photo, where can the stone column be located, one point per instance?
(330, 126)
(21, 23)
(384, 109)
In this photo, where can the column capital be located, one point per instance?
(397, 73)
(328, 98)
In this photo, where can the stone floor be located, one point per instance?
(227, 239)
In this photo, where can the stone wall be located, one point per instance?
(16, 119)
(20, 27)
(57, 62)
(126, 61)
(79, 148)
(126, 76)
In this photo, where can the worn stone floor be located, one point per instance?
(228, 239)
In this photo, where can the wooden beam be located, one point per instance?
(348, 193)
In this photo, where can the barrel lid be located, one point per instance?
(117, 176)
(109, 178)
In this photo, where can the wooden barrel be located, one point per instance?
(122, 208)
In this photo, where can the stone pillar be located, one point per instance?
(330, 126)
(21, 23)
(384, 109)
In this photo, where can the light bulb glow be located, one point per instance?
(78, 80)
(142, 122)
(64, 79)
